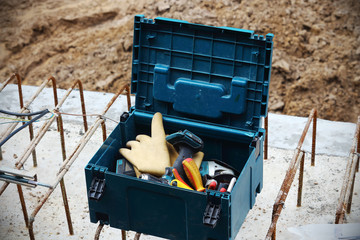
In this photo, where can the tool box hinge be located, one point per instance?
(212, 211)
(97, 188)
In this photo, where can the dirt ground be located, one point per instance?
(316, 46)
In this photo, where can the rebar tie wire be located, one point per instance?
(88, 115)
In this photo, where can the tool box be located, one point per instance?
(212, 81)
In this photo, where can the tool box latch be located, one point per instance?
(212, 211)
(256, 144)
(97, 188)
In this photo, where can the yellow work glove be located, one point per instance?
(149, 154)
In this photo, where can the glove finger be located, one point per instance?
(132, 144)
(142, 138)
(198, 157)
(126, 153)
(172, 153)
(157, 127)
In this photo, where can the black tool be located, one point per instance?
(149, 177)
(186, 144)
(123, 166)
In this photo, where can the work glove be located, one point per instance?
(149, 154)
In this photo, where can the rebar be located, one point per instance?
(42, 132)
(98, 231)
(27, 104)
(31, 131)
(313, 145)
(23, 205)
(63, 150)
(70, 160)
(301, 178)
(21, 102)
(112, 100)
(289, 178)
(285, 187)
(103, 127)
(345, 199)
(137, 236)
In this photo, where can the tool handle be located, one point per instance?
(184, 152)
(178, 183)
(193, 174)
(178, 177)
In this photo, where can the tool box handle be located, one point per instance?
(199, 97)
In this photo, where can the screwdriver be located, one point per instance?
(178, 183)
(178, 177)
(193, 174)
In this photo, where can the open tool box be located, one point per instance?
(212, 81)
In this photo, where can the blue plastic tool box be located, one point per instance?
(213, 81)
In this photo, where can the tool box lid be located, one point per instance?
(214, 74)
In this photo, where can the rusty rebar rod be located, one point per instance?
(281, 198)
(70, 160)
(25, 108)
(110, 103)
(27, 104)
(289, 178)
(313, 145)
(137, 236)
(21, 102)
(98, 231)
(63, 150)
(40, 133)
(23, 205)
(12, 77)
(103, 127)
(301, 178)
(31, 131)
(345, 198)
(62, 139)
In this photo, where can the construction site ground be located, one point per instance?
(315, 60)
(322, 183)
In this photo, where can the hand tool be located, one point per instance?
(169, 175)
(211, 184)
(187, 144)
(18, 177)
(180, 184)
(231, 184)
(149, 177)
(222, 187)
(216, 167)
(193, 174)
(123, 166)
(178, 177)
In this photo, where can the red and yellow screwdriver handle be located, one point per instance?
(193, 174)
(180, 183)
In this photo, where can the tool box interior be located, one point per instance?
(212, 81)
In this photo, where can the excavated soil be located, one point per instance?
(316, 46)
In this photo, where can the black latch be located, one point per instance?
(97, 188)
(124, 116)
(212, 211)
(256, 144)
